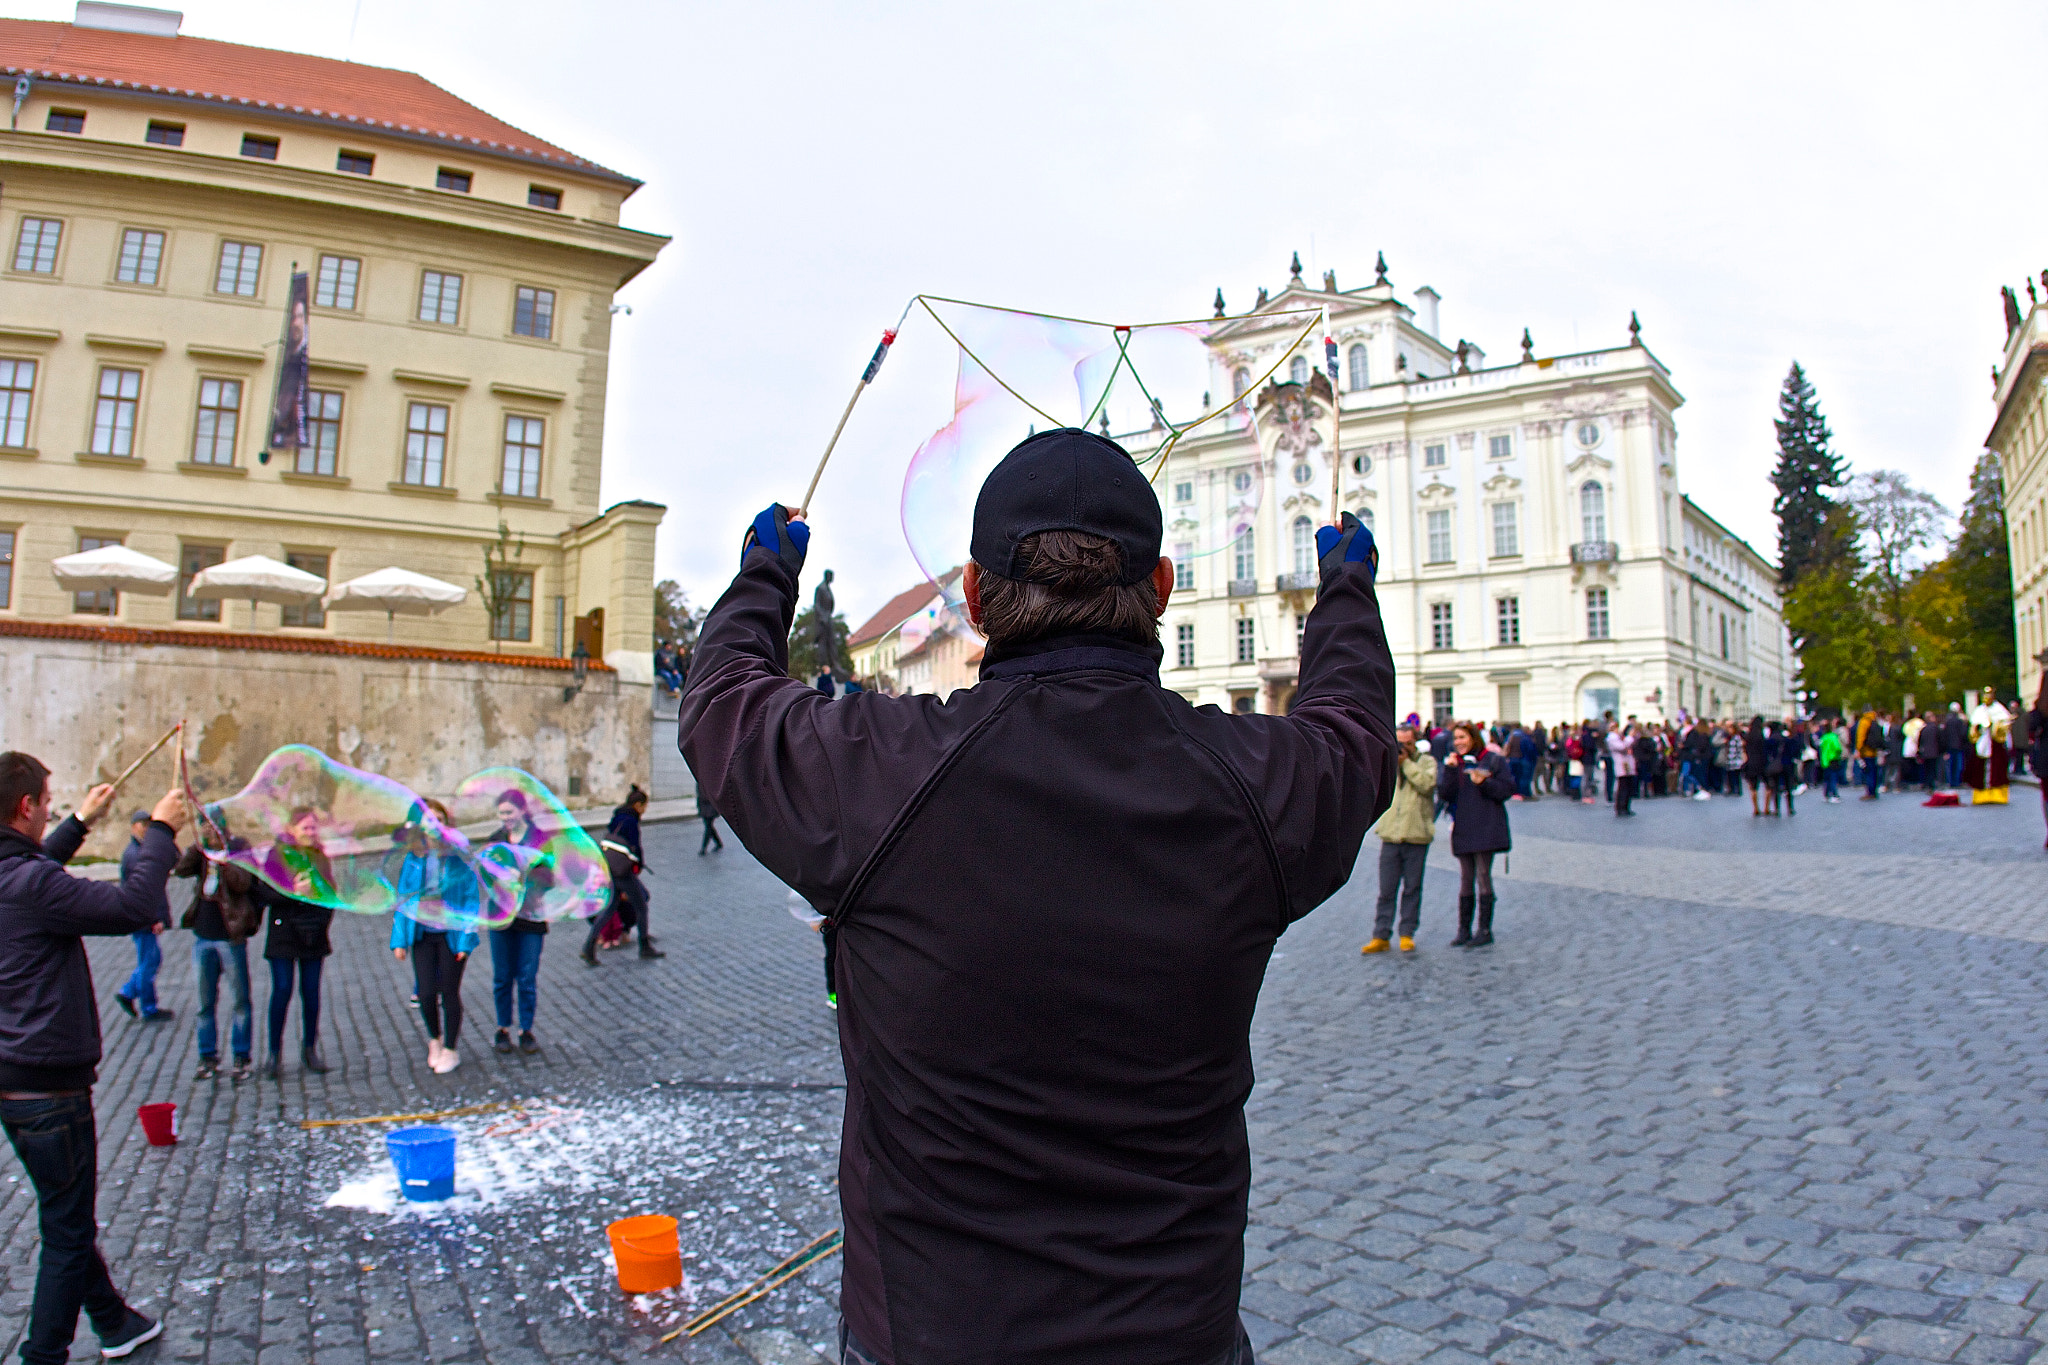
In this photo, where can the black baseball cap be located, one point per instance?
(1066, 479)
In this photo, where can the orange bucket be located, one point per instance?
(647, 1252)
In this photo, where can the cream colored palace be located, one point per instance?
(1539, 560)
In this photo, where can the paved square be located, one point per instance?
(1726, 1089)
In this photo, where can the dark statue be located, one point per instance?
(821, 626)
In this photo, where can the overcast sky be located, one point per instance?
(1845, 185)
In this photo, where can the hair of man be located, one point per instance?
(1070, 586)
(22, 778)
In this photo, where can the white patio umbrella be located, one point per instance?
(115, 567)
(395, 592)
(258, 578)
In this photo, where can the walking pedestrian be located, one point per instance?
(50, 1041)
(1756, 758)
(624, 860)
(2037, 730)
(1476, 785)
(296, 944)
(137, 995)
(1870, 752)
(1405, 832)
(438, 901)
(1621, 757)
(1830, 754)
(708, 813)
(1006, 1192)
(222, 917)
(515, 949)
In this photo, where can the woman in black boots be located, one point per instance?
(1475, 786)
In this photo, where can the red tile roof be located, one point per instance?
(275, 644)
(288, 83)
(897, 610)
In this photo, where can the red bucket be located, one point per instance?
(159, 1123)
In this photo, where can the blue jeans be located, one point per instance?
(515, 960)
(1873, 773)
(59, 1149)
(281, 1000)
(141, 987)
(1833, 774)
(213, 959)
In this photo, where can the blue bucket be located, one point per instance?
(425, 1158)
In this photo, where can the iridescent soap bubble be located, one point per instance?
(513, 812)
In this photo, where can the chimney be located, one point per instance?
(160, 23)
(1426, 300)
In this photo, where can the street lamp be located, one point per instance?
(579, 659)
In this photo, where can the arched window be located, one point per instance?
(1239, 382)
(1304, 545)
(1592, 512)
(1297, 370)
(1359, 371)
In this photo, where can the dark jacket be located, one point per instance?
(49, 1020)
(706, 807)
(1055, 894)
(298, 929)
(621, 844)
(1479, 810)
(231, 898)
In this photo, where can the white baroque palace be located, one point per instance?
(1538, 560)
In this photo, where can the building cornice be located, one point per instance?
(2022, 373)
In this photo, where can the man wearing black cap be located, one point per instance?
(1054, 895)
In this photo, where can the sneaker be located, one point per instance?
(1407, 944)
(158, 1015)
(136, 1330)
(310, 1058)
(1378, 945)
(832, 1001)
(527, 1043)
(209, 1067)
(241, 1071)
(588, 957)
(1701, 796)
(1799, 790)
(127, 1005)
(503, 1042)
(447, 1061)
(649, 951)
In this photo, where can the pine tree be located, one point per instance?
(1807, 466)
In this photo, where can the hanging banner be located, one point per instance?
(288, 413)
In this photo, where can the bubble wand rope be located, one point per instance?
(867, 377)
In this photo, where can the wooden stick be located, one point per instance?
(406, 1118)
(129, 771)
(739, 1299)
(804, 508)
(766, 1289)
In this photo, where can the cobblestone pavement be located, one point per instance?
(1726, 1090)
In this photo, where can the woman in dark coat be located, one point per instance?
(624, 861)
(1756, 760)
(296, 943)
(1474, 786)
(708, 813)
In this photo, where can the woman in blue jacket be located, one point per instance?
(440, 884)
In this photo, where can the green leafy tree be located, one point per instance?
(1807, 467)
(500, 586)
(675, 620)
(1960, 609)
(1899, 523)
(803, 643)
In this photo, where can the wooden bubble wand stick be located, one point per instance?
(129, 771)
(867, 377)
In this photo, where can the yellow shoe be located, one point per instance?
(1378, 945)
(1407, 945)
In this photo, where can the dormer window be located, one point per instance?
(542, 198)
(458, 181)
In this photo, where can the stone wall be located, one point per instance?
(88, 701)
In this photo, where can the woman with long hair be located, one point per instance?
(421, 871)
(515, 948)
(296, 944)
(1756, 760)
(624, 860)
(1475, 785)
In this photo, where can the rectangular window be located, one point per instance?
(240, 265)
(262, 148)
(533, 313)
(113, 415)
(35, 250)
(1724, 637)
(1183, 567)
(1184, 491)
(1507, 612)
(540, 197)
(191, 559)
(65, 121)
(1510, 712)
(1499, 447)
(1439, 524)
(1300, 631)
(1184, 646)
(165, 134)
(101, 601)
(445, 179)
(1440, 706)
(142, 255)
(17, 388)
(355, 163)
(6, 569)
(335, 284)
(1244, 562)
(1433, 457)
(220, 410)
(1247, 639)
(306, 613)
(1440, 633)
(1507, 536)
(426, 443)
(1596, 615)
(513, 619)
(523, 440)
(440, 298)
(322, 452)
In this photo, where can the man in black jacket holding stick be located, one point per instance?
(50, 1040)
(1055, 895)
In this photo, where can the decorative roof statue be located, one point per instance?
(2012, 309)
(1330, 282)
(1381, 267)
(1464, 350)
(1262, 297)
(1219, 300)
(1294, 270)
(1635, 329)
(1528, 347)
